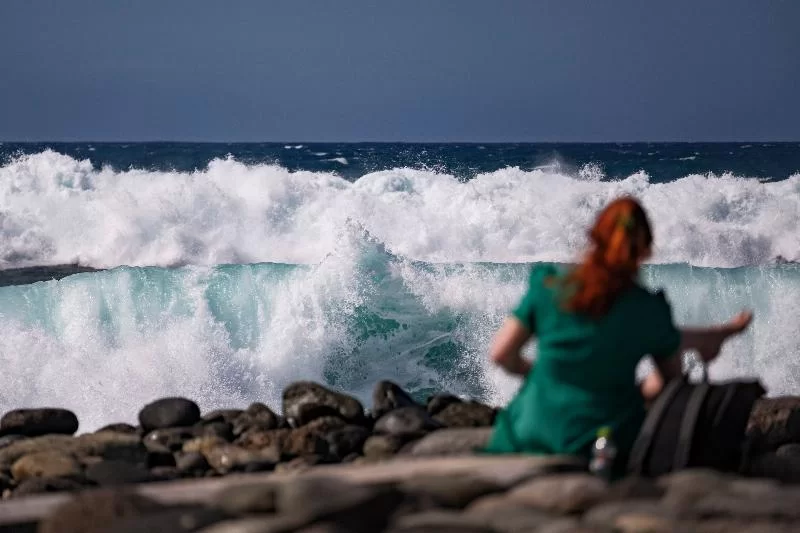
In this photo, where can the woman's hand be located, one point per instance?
(709, 343)
(506, 350)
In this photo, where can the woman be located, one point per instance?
(594, 323)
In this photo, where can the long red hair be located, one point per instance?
(619, 240)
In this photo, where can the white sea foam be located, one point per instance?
(56, 209)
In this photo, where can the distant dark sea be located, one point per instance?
(222, 272)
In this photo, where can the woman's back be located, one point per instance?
(584, 376)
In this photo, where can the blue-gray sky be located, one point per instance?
(414, 70)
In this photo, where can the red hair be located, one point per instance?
(620, 240)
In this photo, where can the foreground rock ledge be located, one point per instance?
(471, 494)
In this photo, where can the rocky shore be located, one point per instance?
(327, 464)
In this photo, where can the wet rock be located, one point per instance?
(120, 428)
(106, 445)
(45, 464)
(309, 439)
(168, 439)
(256, 416)
(10, 439)
(299, 464)
(564, 494)
(643, 512)
(439, 520)
(382, 446)
(345, 441)
(168, 413)
(388, 396)
(247, 498)
(304, 401)
(450, 491)
(259, 439)
(466, 414)
(115, 472)
(774, 422)
(38, 485)
(438, 402)
(96, 511)
(229, 457)
(355, 508)
(37, 422)
(170, 520)
(192, 462)
(411, 421)
(203, 444)
(222, 415)
(453, 441)
(222, 430)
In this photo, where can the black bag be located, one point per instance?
(698, 425)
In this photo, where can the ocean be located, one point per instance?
(222, 272)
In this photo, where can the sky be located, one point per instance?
(416, 70)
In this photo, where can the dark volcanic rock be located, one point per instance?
(156, 459)
(192, 462)
(168, 439)
(259, 439)
(406, 421)
(774, 422)
(310, 439)
(305, 401)
(345, 441)
(38, 485)
(438, 402)
(37, 422)
(228, 457)
(106, 444)
(120, 427)
(382, 446)
(45, 464)
(222, 415)
(170, 520)
(96, 511)
(167, 413)
(116, 473)
(465, 415)
(10, 439)
(388, 396)
(452, 441)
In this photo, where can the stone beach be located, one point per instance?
(327, 464)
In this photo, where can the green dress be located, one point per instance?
(584, 376)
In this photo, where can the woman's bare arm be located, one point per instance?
(506, 350)
(707, 341)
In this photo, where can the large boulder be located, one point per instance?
(387, 396)
(774, 422)
(37, 422)
(168, 413)
(305, 401)
(345, 441)
(107, 445)
(256, 416)
(465, 414)
(563, 494)
(438, 402)
(453, 441)
(96, 511)
(45, 464)
(406, 421)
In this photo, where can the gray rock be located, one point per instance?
(96, 511)
(193, 462)
(455, 492)
(304, 401)
(120, 427)
(37, 422)
(247, 498)
(171, 520)
(438, 402)
(347, 440)
(106, 445)
(382, 446)
(115, 472)
(228, 457)
(439, 520)
(167, 413)
(406, 421)
(454, 441)
(222, 415)
(39, 485)
(45, 464)
(388, 396)
(564, 494)
(466, 414)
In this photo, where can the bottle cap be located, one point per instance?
(604, 432)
